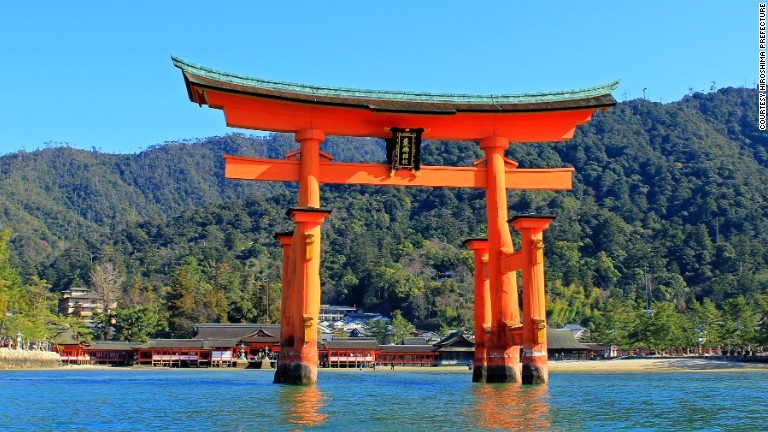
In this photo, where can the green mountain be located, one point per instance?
(668, 205)
(60, 196)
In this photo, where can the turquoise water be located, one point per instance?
(202, 400)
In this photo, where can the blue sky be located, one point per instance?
(99, 74)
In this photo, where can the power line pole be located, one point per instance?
(647, 293)
(265, 280)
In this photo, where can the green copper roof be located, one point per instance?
(207, 77)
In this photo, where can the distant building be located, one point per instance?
(220, 345)
(430, 336)
(455, 349)
(415, 341)
(364, 317)
(346, 352)
(579, 332)
(326, 333)
(357, 333)
(81, 302)
(602, 351)
(562, 344)
(332, 313)
(407, 355)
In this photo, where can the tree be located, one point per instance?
(35, 312)
(618, 319)
(762, 326)
(606, 274)
(400, 328)
(27, 309)
(10, 282)
(708, 323)
(741, 322)
(136, 324)
(191, 299)
(662, 327)
(106, 283)
(379, 330)
(392, 283)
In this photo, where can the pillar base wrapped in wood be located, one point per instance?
(502, 374)
(534, 373)
(480, 373)
(504, 367)
(296, 371)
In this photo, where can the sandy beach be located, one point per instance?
(660, 364)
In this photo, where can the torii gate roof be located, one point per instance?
(277, 106)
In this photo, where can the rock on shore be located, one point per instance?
(20, 359)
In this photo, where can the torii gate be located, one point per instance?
(492, 120)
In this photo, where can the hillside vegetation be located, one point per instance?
(669, 209)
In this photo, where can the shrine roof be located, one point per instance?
(110, 346)
(455, 340)
(209, 331)
(406, 348)
(352, 343)
(563, 339)
(198, 78)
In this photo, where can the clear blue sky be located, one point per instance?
(99, 74)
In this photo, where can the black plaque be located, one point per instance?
(404, 149)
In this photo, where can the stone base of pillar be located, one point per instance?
(480, 373)
(480, 365)
(502, 374)
(503, 368)
(534, 374)
(535, 370)
(295, 373)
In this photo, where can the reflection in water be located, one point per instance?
(300, 405)
(511, 407)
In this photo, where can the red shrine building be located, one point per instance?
(258, 346)
(511, 341)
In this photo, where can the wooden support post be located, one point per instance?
(287, 303)
(503, 351)
(309, 168)
(482, 308)
(298, 362)
(535, 369)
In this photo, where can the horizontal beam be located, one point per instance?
(275, 115)
(512, 262)
(245, 168)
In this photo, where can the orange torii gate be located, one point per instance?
(492, 120)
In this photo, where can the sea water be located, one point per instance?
(235, 400)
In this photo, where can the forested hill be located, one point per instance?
(60, 196)
(668, 196)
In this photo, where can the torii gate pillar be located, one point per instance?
(298, 359)
(503, 354)
(535, 369)
(286, 302)
(482, 308)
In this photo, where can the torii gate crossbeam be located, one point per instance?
(245, 168)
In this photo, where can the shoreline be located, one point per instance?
(642, 365)
(660, 364)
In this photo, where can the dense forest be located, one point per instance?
(660, 243)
